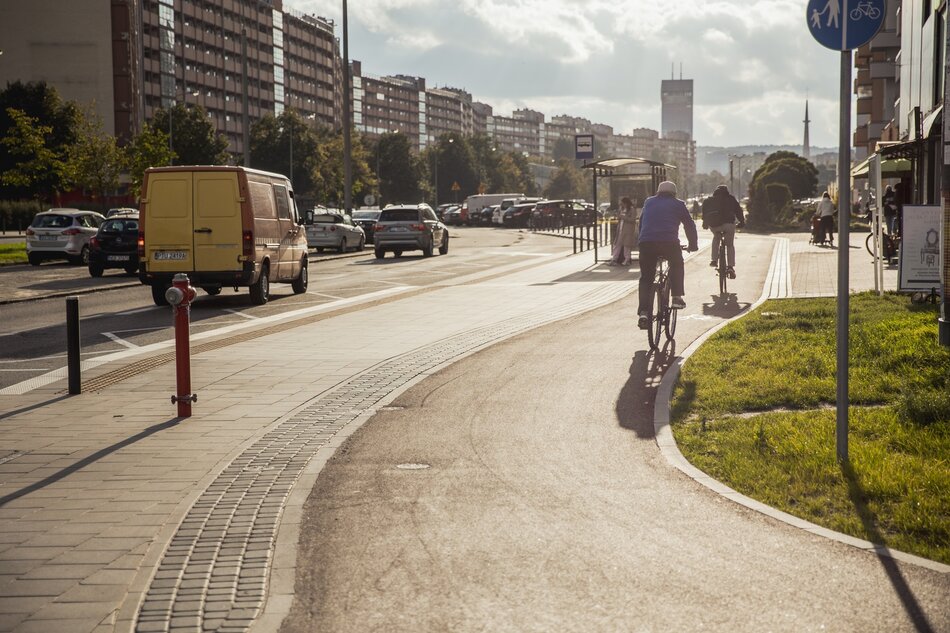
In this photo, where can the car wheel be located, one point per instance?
(342, 248)
(444, 247)
(260, 289)
(158, 295)
(34, 259)
(131, 269)
(397, 253)
(95, 270)
(84, 256)
(300, 283)
(427, 248)
(362, 244)
(380, 253)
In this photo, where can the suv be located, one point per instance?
(116, 244)
(409, 228)
(61, 234)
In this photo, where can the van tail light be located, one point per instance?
(140, 244)
(73, 231)
(247, 242)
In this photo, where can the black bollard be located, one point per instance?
(72, 345)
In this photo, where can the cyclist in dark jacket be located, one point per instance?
(721, 215)
(659, 237)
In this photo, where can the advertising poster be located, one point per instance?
(920, 256)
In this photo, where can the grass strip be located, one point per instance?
(14, 253)
(753, 409)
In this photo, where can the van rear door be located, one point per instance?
(217, 221)
(168, 222)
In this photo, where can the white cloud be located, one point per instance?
(751, 61)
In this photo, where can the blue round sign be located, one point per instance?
(843, 25)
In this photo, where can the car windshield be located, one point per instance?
(365, 215)
(52, 221)
(125, 225)
(399, 215)
(327, 218)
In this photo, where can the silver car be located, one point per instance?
(409, 228)
(62, 234)
(334, 230)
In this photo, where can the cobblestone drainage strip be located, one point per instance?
(213, 575)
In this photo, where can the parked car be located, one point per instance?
(115, 245)
(452, 216)
(121, 211)
(441, 209)
(499, 215)
(484, 216)
(61, 234)
(366, 219)
(333, 230)
(558, 213)
(409, 228)
(519, 215)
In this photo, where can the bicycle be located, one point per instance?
(722, 266)
(663, 316)
(889, 243)
(865, 8)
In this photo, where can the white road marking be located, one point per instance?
(323, 294)
(136, 311)
(249, 317)
(120, 341)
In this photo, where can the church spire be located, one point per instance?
(806, 150)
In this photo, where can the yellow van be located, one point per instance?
(222, 226)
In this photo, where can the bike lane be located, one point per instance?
(522, 489)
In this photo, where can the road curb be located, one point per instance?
(667, 445)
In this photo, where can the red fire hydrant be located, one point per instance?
(180, 296)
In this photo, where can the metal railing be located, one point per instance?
(584, 233)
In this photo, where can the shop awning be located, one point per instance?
(889, 167)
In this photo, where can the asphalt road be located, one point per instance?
(520, 489)
(117, 312)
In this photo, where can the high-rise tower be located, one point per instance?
(806, 150)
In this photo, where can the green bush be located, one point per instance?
(16, 215)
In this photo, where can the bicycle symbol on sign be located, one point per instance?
(865, 8)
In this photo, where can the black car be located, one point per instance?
(115, 245)
(366, 219)
(518, 215)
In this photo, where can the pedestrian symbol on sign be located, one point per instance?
(843, 25)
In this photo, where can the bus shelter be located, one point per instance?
(637, 178)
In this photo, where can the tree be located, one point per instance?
(95, 160)
(567, 183)
(59, 120)
(31, 161)
(798, 174)
(148, 148)
(563, 149)
(194, 139)
(276, 141)
(398, 171)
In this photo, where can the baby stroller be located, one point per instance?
(817, 234)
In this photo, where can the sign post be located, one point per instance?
(583, 146)
(836, 26)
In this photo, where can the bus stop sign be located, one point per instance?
(843, 25)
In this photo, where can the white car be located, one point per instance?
(62, 234)
(334, 230)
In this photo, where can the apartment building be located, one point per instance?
(876, 85)
(390, 104)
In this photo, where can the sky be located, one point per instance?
(753, 62)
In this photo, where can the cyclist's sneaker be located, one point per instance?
(731, 273)
(643, 322)
(713, 263)
(678, 303)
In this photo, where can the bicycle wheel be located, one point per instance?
(670, 323)
(869, 243)
(657, 316)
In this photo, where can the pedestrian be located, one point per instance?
(889, 208)
(722, 214)
(694, 210)
(627, 237)
(826, 218)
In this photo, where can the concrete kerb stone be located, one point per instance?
(667, 445)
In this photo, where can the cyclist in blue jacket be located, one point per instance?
(659, 237)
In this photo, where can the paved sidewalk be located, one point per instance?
(118, 516)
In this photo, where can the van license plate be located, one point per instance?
(173, 255)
